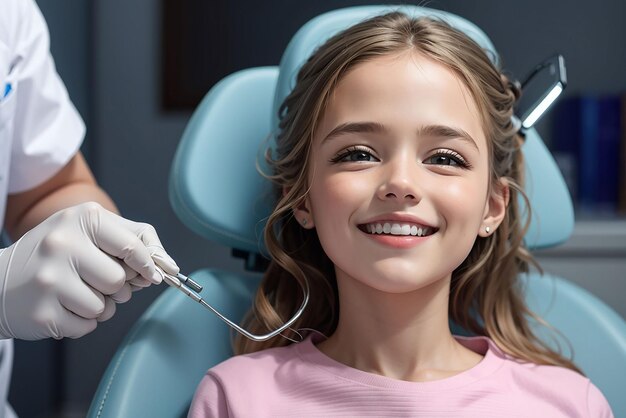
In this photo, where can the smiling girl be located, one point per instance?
(399, 173)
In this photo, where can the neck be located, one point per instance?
(400, 335)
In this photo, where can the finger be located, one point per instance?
(150, 238)
(98, 269)
(163, 260)
(129, 272)
(79, 298)
(132, 277)
(115, 235)
(123, 295)
(135, 288)
(74, 326)
(109, 309)
(140, 282)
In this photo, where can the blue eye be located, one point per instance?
(354, 154)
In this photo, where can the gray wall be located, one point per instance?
(108, 53)
(589, 36)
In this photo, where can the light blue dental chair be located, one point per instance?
(216, 191)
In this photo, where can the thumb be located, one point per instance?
(148, 235)
(163, 260)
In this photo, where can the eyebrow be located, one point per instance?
(355, 128)
(447, 132)
(440, 131)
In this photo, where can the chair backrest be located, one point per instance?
(158, 366)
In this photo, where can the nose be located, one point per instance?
(400, 181)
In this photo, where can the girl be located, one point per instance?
(398, 171)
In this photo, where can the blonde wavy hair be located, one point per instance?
(486, 297)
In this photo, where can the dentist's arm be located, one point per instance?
(71, 260)
(73, 184)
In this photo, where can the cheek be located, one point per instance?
(462, 202)
(339, 194)
(334, 201)
(466, 194)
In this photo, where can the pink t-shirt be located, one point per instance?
(300, 381)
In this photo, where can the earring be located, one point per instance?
(303, 221)
(487, 229)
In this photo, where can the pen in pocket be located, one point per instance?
(7, 90)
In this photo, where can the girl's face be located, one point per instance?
(400, 176)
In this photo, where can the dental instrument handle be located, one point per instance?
(176, 283)
(189, 282)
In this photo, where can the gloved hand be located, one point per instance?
(65, 275)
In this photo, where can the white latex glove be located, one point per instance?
(66, 274)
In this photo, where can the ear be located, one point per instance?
(495, 208)
(303, 213)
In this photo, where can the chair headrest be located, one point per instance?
(319, 29)
(216, 190)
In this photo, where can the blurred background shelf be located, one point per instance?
(599, 237)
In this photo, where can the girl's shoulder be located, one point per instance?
(531, 375)
(238, 385)
(560, 385)
(553, 384)
(528, 372)
(260, 362)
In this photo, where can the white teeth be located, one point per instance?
(397, 229)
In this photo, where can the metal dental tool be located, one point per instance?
(187, 286)
(187, 281)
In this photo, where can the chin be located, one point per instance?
(401, 279)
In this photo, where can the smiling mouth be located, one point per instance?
(397, 229)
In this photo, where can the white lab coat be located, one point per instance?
(40, 130)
